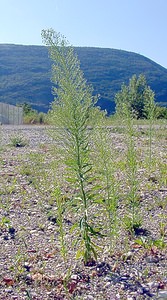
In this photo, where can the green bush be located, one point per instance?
(31, 116)
(35, 118)
(161, 112)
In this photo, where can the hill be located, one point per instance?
(25, 73)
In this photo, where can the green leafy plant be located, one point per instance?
(150, 109)
(5, 222)
(71, 114)
(131, 166)
(105, 168)
(149, 243)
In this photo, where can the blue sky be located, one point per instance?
(135, 25)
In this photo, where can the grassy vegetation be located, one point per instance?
(32, 116)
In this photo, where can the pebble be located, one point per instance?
(89, 297)
(107, 284)
(33, 231)
(74, 277)
(151, 259)
(162, 295)
(124, 278)
(50, 227)
(127, 255)
(33, 213)
(108, 278)
(9, 291)
(152, 284)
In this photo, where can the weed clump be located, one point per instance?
(18, 141)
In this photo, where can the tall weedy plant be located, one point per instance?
(104, 159)
(133, 220)
(70, 114)
(149, 109)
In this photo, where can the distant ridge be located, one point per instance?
(25, 73)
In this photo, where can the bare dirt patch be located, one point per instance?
(31, 265)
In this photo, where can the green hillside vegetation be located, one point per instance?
(26, 71)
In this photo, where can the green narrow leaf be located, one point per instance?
(79, 254)
(94, 252)
(73, 227)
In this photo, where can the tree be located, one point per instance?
(161, 112)
(137, 96)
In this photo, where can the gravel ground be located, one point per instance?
(31, 265)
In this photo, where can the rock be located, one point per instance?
(108, 278)
(11, 230)
(89, 297)
(27, 266)
(74, 277)
(9, 291)
(107, 284)
(162, 295)
(151, 259)
(152, 284)
(127, 255)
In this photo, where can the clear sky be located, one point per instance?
(135, 25)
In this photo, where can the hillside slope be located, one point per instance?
(25, 73)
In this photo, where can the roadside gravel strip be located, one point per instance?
(31, 265)
(34, 135)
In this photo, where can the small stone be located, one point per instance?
(151, 259)
(33, 213)
(152, 284)
(52, 219)
(89, 297)
(27, 266)
(74, 277)
(145, 289)
(28, 279)
(108, 278)
(34, 232)
(9, 291)
(140, 291)
(162, 295)
(107, 284)
(127, 255)
(50, 227)
(11, 230)
(124, 278)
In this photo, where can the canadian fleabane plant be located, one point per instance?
(70, 114)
